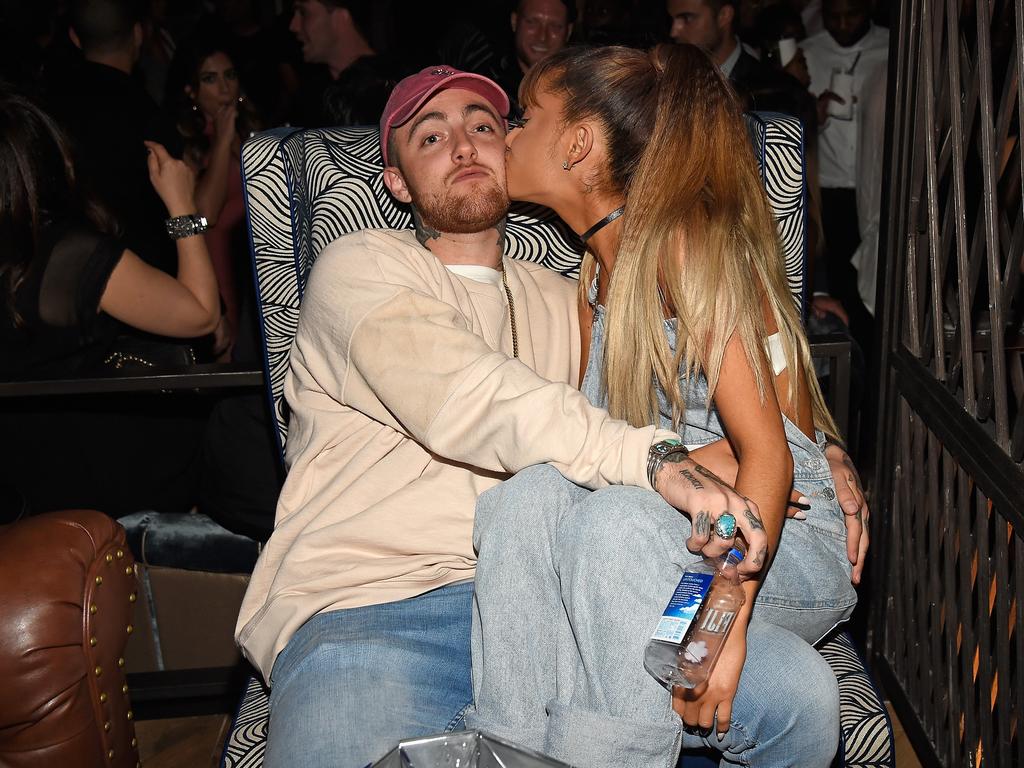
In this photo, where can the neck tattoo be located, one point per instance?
(424, 232)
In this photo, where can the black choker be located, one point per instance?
(602, 224)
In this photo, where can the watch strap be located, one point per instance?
(186, 226)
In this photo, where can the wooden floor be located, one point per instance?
(182, 742)
(197, 742)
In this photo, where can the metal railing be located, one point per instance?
(948, 628)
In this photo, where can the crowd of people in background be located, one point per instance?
(126, 84)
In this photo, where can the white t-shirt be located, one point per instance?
(837, 144)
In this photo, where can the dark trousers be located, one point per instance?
(842, 237)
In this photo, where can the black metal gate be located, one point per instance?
(948, 623)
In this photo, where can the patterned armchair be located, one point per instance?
(304, 189)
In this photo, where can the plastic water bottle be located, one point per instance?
(693, 628)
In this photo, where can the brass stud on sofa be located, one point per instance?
(98, 670)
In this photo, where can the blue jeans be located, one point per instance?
(569, 586)
(351, 684)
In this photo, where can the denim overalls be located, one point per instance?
(808, 588)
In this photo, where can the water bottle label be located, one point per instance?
(683, 606)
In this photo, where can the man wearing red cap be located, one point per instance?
(425, 368)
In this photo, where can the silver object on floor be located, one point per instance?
(464, 749)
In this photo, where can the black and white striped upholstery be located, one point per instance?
(304, 189)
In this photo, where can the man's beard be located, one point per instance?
(463, 214)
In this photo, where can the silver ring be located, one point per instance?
(725, 526)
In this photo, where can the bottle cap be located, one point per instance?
(735, 554)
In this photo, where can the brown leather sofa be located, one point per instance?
(67, 594)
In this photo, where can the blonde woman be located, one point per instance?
(690, 323)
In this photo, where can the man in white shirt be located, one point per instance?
(849, 52)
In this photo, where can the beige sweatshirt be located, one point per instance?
(406, 405)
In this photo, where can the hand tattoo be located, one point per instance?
(697, 484)
(703, 525)
(760, 557)
(754, 520)
(700, 468)
(424, 232)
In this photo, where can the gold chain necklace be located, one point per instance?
(511, 312)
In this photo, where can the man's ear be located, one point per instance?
(74, 38)
(568, 32)
(340, 18)
(514, 19)
(725, 16)
(395, 182)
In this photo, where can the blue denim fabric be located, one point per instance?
(807, 589)
(570, 586)
(351, 684)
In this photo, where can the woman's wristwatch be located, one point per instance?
(671, 450)
(186, 226)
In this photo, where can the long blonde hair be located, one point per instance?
(698, 236)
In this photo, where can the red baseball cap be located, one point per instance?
(414, 91)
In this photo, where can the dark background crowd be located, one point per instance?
(200, 76)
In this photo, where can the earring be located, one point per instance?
(241, 99)
(565, 165)
(195, 107)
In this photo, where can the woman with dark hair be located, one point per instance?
(214, 116)
(69, 290)
(66, 282)
(690, 324)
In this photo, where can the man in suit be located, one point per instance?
(711, 25)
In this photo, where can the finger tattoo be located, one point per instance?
(703, 525)
(754, 520)
(693, 480)
(760, 557)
